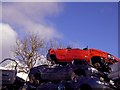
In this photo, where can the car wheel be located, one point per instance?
(96, 62)
(96, 65)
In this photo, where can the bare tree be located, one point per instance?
(28, 49)
(32, 48)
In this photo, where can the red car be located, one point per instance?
(91, 56)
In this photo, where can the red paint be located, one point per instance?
(68, 55)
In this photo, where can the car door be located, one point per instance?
(61, 54)
(76, 54)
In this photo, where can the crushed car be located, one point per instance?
(76, 76)
(9, 78)
(70, 69)
(92, 56)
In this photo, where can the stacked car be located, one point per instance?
(91, 56)
(80, 76)
(70, 69)
(76, 69)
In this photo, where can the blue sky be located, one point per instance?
(77, 23)
(92, 24)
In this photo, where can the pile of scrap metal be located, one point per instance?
(9, 79)
(71, 77)
(72, 69)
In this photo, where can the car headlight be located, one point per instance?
(110, 56)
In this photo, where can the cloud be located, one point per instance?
(60, 1)
(30, 0)
(31, 17)
(7, 40)
(23, 17)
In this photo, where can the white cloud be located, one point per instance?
(31, 17)
(29, 0)
(60, 1)
(7, 40)
(25, 17)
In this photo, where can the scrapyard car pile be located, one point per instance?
(76, 69)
